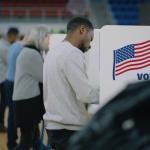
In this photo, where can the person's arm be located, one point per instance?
(74, 68)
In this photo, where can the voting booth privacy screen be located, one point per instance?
(124, 58)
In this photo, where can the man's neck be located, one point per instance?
(72, 40)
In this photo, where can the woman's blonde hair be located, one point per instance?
(36, 36)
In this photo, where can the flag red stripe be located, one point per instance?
(132, 69)
(142, 43)
(137, 56)
(130, 65)
(142, 46)
(130, 61)
(144, 50)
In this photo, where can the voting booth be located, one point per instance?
(124, 58)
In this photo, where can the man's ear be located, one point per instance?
(82, 29)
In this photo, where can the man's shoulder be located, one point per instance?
(28, 54)
(66, 51)
(58, 45)
(16, 45)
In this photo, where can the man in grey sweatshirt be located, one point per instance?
(66, 86)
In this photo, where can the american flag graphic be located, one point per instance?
(131, 57)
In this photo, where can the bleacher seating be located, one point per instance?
(34, 8)
(125, 12)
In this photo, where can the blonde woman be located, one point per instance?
(27, 95)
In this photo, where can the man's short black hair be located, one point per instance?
(78, 21)
(13, 30)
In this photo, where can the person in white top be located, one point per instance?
(66, 86)
(11, 36)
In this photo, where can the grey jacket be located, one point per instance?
(29, 72)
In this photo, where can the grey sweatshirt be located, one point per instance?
(66, 88)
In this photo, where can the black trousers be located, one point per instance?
(59, 139)
(12, 129)
(29, 138)
(3, 102)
